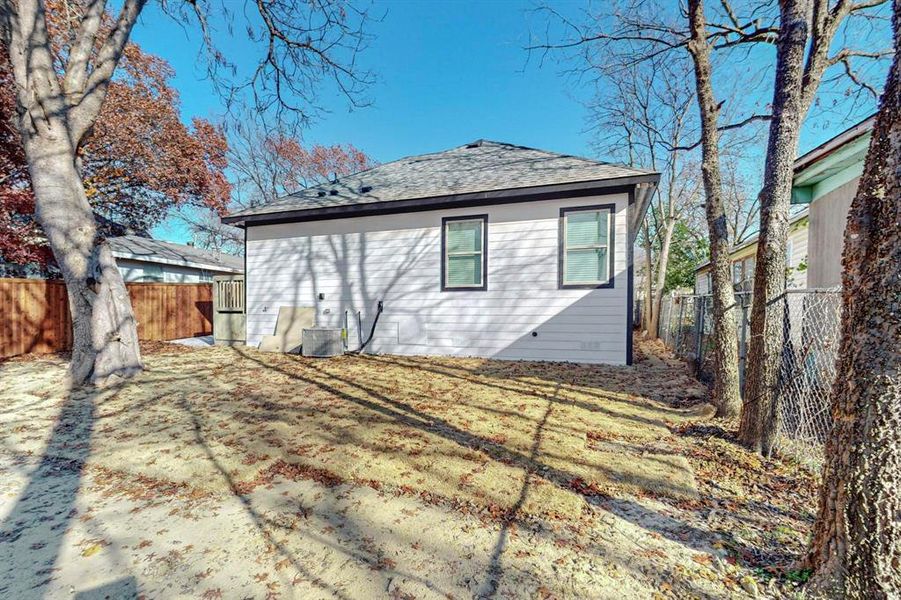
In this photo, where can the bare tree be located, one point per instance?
(803, 38)
(61, 88)
(856, 546)
(742, 205)
(803, 31)
(266, 165)
(725, 346)
(643, 115)
(208, 231)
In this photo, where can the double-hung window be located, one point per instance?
(464, 253)
(586, 247)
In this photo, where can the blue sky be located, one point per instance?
(447, 73)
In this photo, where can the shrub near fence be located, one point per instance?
(34, 313)
(807, 370)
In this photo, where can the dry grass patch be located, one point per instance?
(501, 437)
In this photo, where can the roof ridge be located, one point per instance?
(457, 170)
(563, 155)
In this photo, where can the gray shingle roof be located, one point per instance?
(157, 251)
(476, 167)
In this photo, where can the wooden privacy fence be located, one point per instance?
(34, 313)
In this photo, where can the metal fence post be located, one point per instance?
(699, 328)
(743, 347)
(678, 345)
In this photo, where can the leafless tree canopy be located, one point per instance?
(302, 50)
(621, 34)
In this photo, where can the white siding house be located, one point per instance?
(542, 275)
(143, 259)
(744, 256)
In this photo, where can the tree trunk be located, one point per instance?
(662, 262)
(856, 546)
(105, 341)
(760, 411)
(725, 337)
(53, 117)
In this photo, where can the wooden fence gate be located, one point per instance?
(34, 313)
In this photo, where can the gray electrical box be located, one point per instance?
(322, 342)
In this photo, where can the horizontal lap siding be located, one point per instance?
(34, 314)
(798, 278)
(356, 262)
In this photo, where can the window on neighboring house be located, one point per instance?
(789, 250)
(586, 247)
(152, 273)
(736, 272)
(743, 270)
(464, 261)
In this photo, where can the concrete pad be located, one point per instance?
(203, 341)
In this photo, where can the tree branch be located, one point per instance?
(82, 114)
(728, 127)
(80, 53)
(854, 77)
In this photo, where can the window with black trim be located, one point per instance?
(464, 253)
(586, 246)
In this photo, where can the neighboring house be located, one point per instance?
(142, 259)
(826, 180)
(488, 249)
(744, 255)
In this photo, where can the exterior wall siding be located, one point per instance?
(797, 258)
(351, 264)
(828, 218)
(140, 271)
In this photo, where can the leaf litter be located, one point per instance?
(402, 476)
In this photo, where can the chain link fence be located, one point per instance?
(811, 331)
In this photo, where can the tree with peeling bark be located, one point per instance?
(138, 162)
(803, 39)
(60, 92)
(856, 547)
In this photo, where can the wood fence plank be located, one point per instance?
(34, 314)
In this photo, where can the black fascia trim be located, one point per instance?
(469, 288)
(561, 248)
(532, 194)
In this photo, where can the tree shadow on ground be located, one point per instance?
(32, 532)
(411, 417)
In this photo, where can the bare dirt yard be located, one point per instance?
(228, 473)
